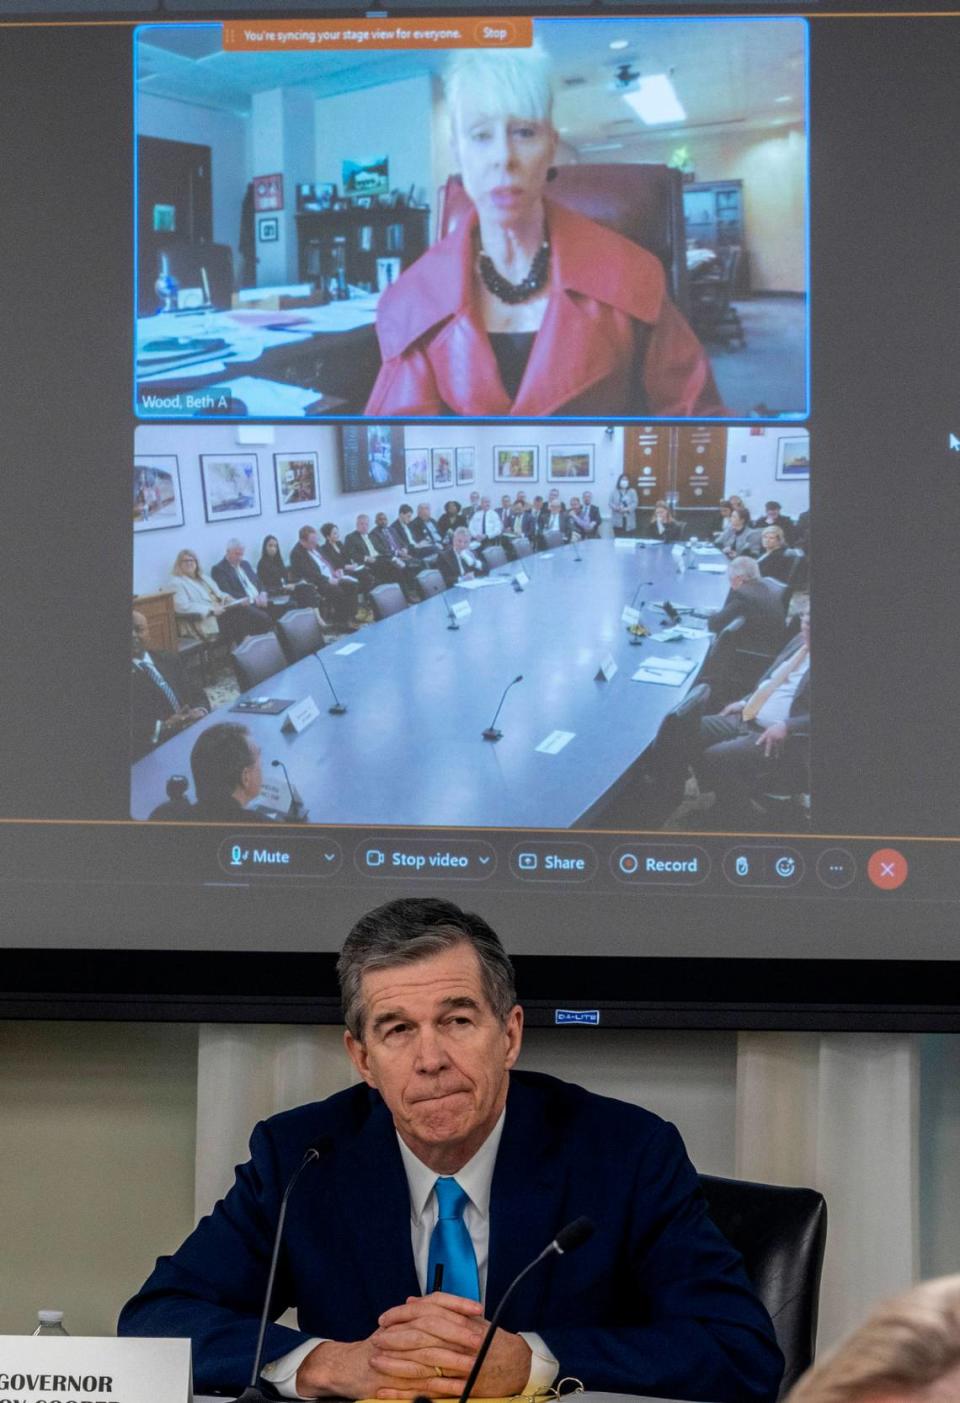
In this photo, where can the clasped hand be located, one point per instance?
(401, 1358)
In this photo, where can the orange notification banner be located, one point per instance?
(268, 36)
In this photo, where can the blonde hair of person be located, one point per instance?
(908, 1348)
(507, 82)
(178, 564)
(774, 531)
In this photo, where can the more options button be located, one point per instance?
(660, 864)
(553, 862)
(257, 853)
(467, 859)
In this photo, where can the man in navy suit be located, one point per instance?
(446, 1156)
(235, 577)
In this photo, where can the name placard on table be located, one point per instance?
(87, 1369)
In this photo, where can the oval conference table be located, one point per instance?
(410, 751)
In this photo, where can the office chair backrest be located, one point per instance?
(552, 539)
(300, 633)
(780, 1233)
(386, 600)
(430, 582)
(494, 556)
(257, 658)
(643, 202)
(522, 547)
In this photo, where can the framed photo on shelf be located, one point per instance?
(297, 479)
(231, 485)
(416, 468)
(466, 460)
(442, 460)
(793, 459)
(157, 499)
(515, 465)
(570, 462)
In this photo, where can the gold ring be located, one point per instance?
(439, 1371)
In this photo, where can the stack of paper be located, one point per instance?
(664, 671)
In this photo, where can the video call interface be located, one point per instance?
(521, 461)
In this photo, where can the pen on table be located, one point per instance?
(437, 1277)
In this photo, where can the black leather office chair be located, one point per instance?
(780, 1233)
(429, 583)
(494, 557)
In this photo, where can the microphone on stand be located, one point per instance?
(638, 631)
(453, 624)
(297, 810)
(252, 1394)
(568, 1239)
(338, 707)
(491, 733)
(576, 548)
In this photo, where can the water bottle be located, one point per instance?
(51, 1323)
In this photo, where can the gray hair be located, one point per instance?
(743, 567)
(909, 1347)
(410, 929)
(461, 534)
(508, 82)
(233, 544)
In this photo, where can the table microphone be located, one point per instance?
(453, 624)
(574, 1235)
(338, 707)
(491, 733)
(252, 1393)
(297, 810)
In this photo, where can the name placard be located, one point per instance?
(460, 610)
(86, 1369)
(298, 718)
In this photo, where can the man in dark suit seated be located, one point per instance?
(458, 562)
(445, 1155)
(413, 542)
(773, 516)
(485, 525)
(162, 699)
(235, 577)
(227, 776)
(593, 512)
(426, 529)
(390, 543)
(337, 556)
(337, 593)
(760, 743)
(363, 549)
(760, 607)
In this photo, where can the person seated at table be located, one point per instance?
(743, 538)
(773, 516)
(337, 592)
(761, 609)
(405, 564)
(276, 579)
(761, 742)
(662, 526)
(235, 577)
(452, 518)
(163, 701)
(593, 512)
(426, 529)
(458, 561)
(485, 525)
(413, 542)
(227, 775)
(363, 549)
(529, 308)
(579, 520)
(201, 610)
(554, 517)
(471, 507)
(721, 537)
(530, 522)
(623, 507)
(774, 563)
(341, 561)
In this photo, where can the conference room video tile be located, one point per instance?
(487, 626)
(586, 219)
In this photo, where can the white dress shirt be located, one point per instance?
(475, 1178)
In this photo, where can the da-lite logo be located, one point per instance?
(577, 1015)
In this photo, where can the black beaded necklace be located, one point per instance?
(513, 293)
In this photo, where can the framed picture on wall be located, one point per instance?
(416, 462)
(157, 500)
(793, 459)
(231, 485)
(570, 462)
(515, 465)
(442, 459)
(297, 478)
(466, 459)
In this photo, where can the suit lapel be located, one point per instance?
(526, 1205)
(570, 353)
(371, 1187)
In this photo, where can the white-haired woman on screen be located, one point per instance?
(528, 308)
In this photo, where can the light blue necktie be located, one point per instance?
(451, 1245)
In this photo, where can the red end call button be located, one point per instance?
(887, 869)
